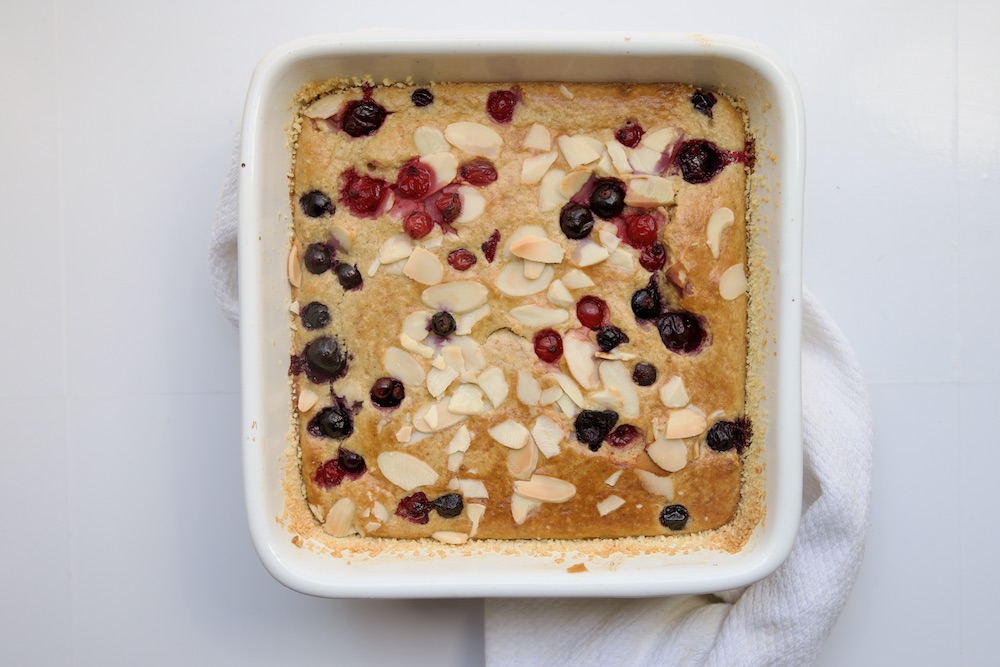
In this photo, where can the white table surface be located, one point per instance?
(124, 537)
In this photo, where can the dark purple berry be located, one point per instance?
(315, 316)
(610, 337)
(681, 331)
(415, 508)
(318, 258)
(644, 374)
(442, 324)
(349, 276)
(351, 462)
(449, 505)
(421, 97)
(674, 517)
(325, 358)
(608, 198)
(362, 117)
(332, 422)
(703, 101)
(646, 302)
(724, 435)
(699, 161)
(576, 221)
(653, 257)
(593, 426)
(387, 392)
(623, 435)
(316, 204)
(490, 246)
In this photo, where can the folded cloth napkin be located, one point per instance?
(781, 620)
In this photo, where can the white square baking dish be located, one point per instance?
(742, 69)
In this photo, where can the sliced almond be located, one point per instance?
(721, 220)
(475, 511)
(415, 324)
(649, 191)
(673, 393)
(455, 461)
(461, 441)
(472, 355)
(295, 307)
(444, 167)
(396, 268)
(607, 399)
(619, 158)
(424, 267)
(450, 537)
(324, 107)
(396, 247)
(546, 489)
(537, 316)
(532, 269)
(733, 283)
(472, 488)
(474, 138)
(576, 150)
(677, 274)
(380, 512)
(548, 435)
(533, 168)
(406, 471)
(404, 433)
(453, 357)
(521, 507)
(403, 366)
(538, 138)
(588, 253)
(644, 160)
(550, 395)
(685, 423)
(623, 259)
(307, 399)
(559, 295)
(613, 478)
(521, 232)
(436, 417)
(577, 279)
(460, 296)
(439, 379)
(658, 140)
(521, 463)
(467, 400)
(511, 280)
(609, 505)
(579, 355)
(616, 355)
(574, 181)
(549, 196)
(614, 375)
(510, 434)
(565, 92)
(604, 167)
(430, 140)
(413, 346)
(571, 388)
(494, 384)
(671, 455)
(340, 518)
(567, 406)
(607, 235)
(538, 250)
(473, 204)
(528, 389)
(465, 321)
(295, 265)
(655, 484)
(342, 237)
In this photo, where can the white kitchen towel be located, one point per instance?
(781, 620)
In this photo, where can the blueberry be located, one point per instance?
(387, 392)
(362, 117)
(681, 331)
(610, 337)
(699, 161)
(325, 358)
(644, 374)
(315, 316)
(332, 422)
(449, 505)
(318, 258)
(646, 302)
(442, 324)
(724, 435)
(348, 275)
(576, 221)
(593, 426)
(421, 97)
(351, 462)
(674, 517)
(316, 204)
(608, 198)
(703, 101)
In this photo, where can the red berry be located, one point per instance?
(641, 229)
(653, 257)
(414, 180)
(490, 246)
(461, 259)
(500, 105)
(478, 172)
(362, 194)
(449, 204)
(329, 475)
(592, 312)
(415, 508)
(630, 134)
(623, 435)
(418, 225)
(548, 345)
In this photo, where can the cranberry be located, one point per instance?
(646, 302)
(548, 345)
(325, 360)
(414, 180)
(699, 161)
(461, 259)
(329, 475)
(349, 276)
(351, 462)
(449, 505)
(362, 117)
(315, 316)
(674, 517)
(592, 312)
(421, 97)
(576, 221)
(317, 258)
(415, 508)
(608, 198)
(623, 435)
(681, 331)
(362, 194)
(490, 246)
(418, 225)
(316, 204)
(449, 205)
(653, 257)
(644, 374)
(593, 426)
(630, 134)
(332, 422)
(500, 105)
(480, 172)
(387, 392)
(442, 324)
(724, 435)
(642, 230)
(609, 337)
(703, 101)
